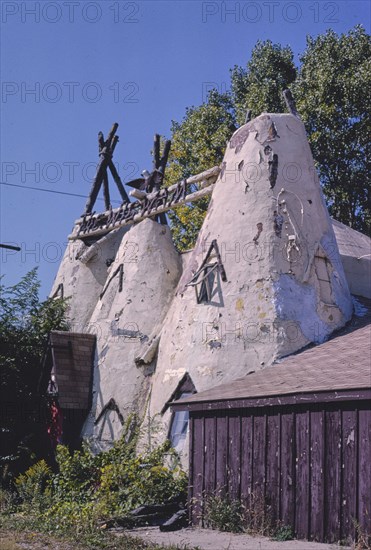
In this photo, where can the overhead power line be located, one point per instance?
(50, 191)
(10, 247)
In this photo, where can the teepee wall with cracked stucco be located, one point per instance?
(285, 283)
(273, 283)
(83, 273)
(127, 320)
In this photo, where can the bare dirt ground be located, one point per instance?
(32, 541)
(200, 539)
(206, 539)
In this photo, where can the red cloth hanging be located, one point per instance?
(55, 428)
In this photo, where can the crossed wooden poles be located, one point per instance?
(106, 149)
(150, 182)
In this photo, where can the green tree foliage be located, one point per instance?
(332, 90)
(259, 87)
(198, 143)
(25, 322)
(333, 96)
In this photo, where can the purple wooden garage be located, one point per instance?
(297, 435)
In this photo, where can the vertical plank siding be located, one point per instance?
(247, 434)
(210, 454)
(310, 464)
(234, 456)
(198, 458)
(221, 436)
(332, 473)
(302, 475)
(259, 458)
(317, 473)
(288, 479)
(349, 450)
(364, 469)
(272, 491)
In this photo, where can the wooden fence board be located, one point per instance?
(364, 469)
(316, 479)
(302, 475)
(198, 468)
(288, 481)
(349, 472)
(234, 456)
(332, 475)
(272, 493)
(259, 458)
(247, 434)
(210, 454)
(222, 453)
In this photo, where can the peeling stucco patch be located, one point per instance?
(204, 371)
(240, 306)
(273, 170)
(173, 373)
(259, 227)
(277, 223)
(238, 139)
(214, 344)
(266, 130)
(296, 302)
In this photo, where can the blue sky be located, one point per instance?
(71, 68)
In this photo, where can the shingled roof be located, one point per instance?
(351, 242)
(343, 363)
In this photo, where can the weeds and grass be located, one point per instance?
(283, 533)
(258, 517)
(16, 534)
(254, 517)
(223, 514)
(24, 528)
(89, 489)
(363, 539)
